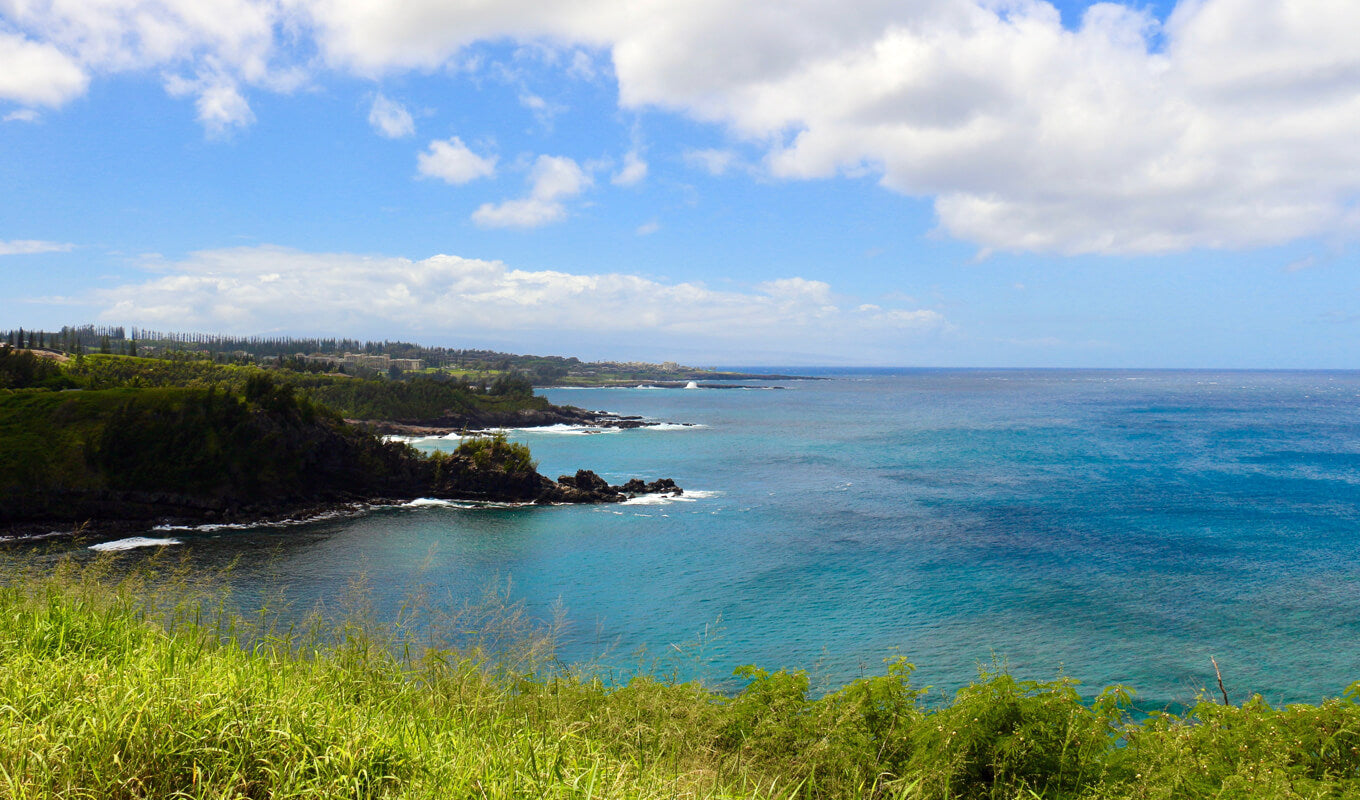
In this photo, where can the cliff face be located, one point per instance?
(135, 458)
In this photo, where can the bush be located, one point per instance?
(21, 369)
(494, 451)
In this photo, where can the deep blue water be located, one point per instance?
(1114, 526)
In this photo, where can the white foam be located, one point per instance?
(701, 494)
(132, 543)
(667, 499)
(692, 385)
(560, 429)
(568, 430)
(347, 511)
(435, 502)
(454, 436)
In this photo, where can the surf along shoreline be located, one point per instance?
(125, 461)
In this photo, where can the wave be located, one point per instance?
(667, 499)
(454, 436)
(351, 510)
(560, 429)
(132, 543)
(435, 502)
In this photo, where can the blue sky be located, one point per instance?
(950, 182)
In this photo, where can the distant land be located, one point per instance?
(371, 359)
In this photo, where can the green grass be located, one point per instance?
(142, 687)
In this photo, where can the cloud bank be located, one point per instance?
(272, 288)
(1229, 125)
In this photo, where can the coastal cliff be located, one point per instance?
(123, 459)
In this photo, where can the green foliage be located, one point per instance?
(99, 371)
(21, 369)
(150, 688)
(495, 452)
(420, 399)
(60, 451)
(1002, 736)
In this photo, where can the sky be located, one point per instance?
(992, 183)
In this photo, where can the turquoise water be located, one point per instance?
(1117, 527)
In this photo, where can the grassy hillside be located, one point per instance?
(106, 694)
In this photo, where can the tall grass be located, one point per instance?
(147, 686)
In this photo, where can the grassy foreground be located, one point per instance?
(122, 689)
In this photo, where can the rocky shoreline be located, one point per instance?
(188, 457)
(142, 512)
(526, 418)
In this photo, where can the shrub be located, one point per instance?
(494, 451)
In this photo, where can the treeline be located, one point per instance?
(121, 340)
(419, 398)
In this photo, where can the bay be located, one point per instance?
(1113, 526)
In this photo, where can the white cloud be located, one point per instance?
(390, 118)
(582, 66)
(648, 228)
(1032, 136)
(38, 73)
(452, 162)
(544, 111)
(16, 247)
(1235, 130)
(1029, 135)
(272, 288)
(222, 108)
(712, 161)
(633, 171)
(551, 180)
(22, 115)
(224, 43)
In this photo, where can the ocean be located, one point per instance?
(1109, 526)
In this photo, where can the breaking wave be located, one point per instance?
(667, 499)
(132, 543)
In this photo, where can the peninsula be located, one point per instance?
(126, 442)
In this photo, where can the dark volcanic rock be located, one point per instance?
(587, 487)
(586, 480)
(486, 420)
